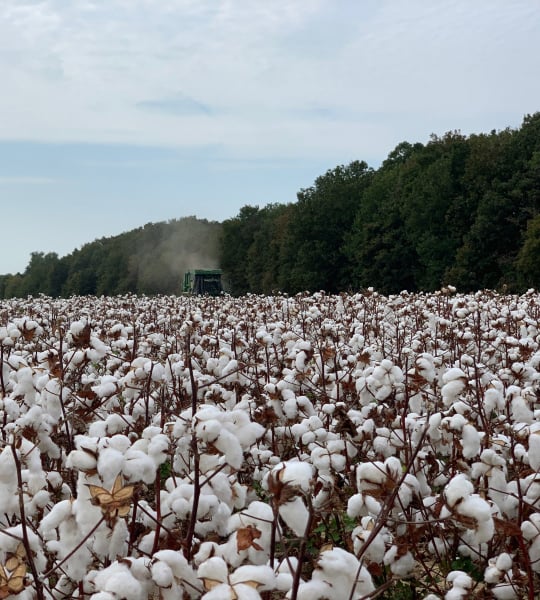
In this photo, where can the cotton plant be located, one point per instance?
(244, 583)
(461, 586)
(290, 483)
(378, 382)
(468, 510)
(338, 575)
(373, 548)
(376, 482)
(500, 577)
(35, 495)
(493, 467)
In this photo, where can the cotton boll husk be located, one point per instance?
(295, 515)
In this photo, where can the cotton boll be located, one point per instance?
(110, 462)
(118, 580)
(461, 585)
(457, 489)
(534, 450)
(162, 574)
(263, 575)
(471, 441)
(355, 506)
(118, 539)
(295, 515)
(214, 568)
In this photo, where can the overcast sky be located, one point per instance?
(116, 113)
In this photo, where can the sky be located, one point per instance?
(116, 113)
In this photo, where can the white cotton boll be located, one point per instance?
(355, 506)
(402, 566)
(103, 596)
(262, 574)
(138, 467)
(118, 580)
(505, 591)
(450, 391)
(208, 430)
(295, 515)
(520, 411)
(471, 441)
(296, 473)
(476, 507)
(158, 448)
(316, 589)
(58, 513)
(228, 444)
(118, 539)
(504, 562)
(534, 450)
(493, 400)
(162, 574)
(214, 568)
(110, 462)
(457, 489)
(81, 460)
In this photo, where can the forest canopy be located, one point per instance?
(460, 210)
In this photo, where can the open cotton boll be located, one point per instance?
(458, 488)
(295, 515)
(263, 575)
(110, 462)
(400, 565)
(461, 585)
(534, 450)
(470, 441)
(119, 581)
(214, 568)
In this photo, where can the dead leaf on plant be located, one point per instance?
(115, 503)
(245, 538)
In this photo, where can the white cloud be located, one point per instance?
(281, 78)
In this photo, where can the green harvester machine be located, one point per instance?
(200, 282)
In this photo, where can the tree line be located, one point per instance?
(457, 210)
(148, 260)
(460, 210)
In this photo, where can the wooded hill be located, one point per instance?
(460, 210)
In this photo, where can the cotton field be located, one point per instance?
(307, 447)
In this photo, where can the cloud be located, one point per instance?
(286, 78)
